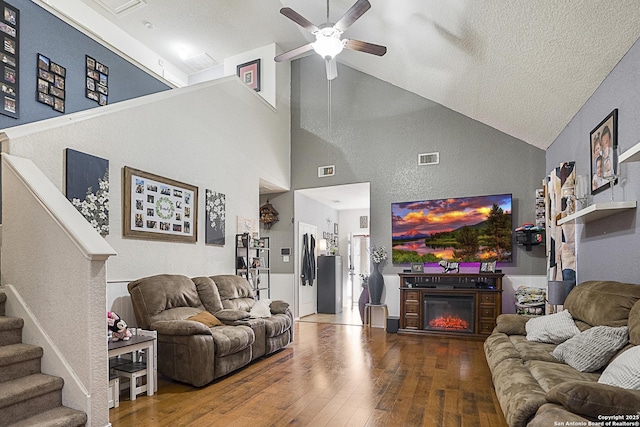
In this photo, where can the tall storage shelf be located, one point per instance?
(253, 262)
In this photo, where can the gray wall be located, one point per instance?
(42, 32)
(378, 129)
(607, 248)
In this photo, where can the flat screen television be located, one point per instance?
(465, 230)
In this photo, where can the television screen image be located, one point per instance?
(466, 230)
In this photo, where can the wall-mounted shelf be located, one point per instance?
(597, 211)
(631, 155)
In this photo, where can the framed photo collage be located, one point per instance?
(9, 31)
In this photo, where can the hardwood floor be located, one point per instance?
(335, 375)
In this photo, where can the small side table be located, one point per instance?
(367, 314)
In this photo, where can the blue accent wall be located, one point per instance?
(42, 32)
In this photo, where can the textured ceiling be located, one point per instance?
(523, 67)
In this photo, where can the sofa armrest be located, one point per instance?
(593, 399)
(180, 327)
(278, 307)
(512, 324)
(229, 316)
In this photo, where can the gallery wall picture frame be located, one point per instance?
(215, 211)
(87, 187)
(97, 81)
(249, 73)
(158, 208)
(10, 74)
(603, 142)
(50, 88)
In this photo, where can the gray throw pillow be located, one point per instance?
(592, 349)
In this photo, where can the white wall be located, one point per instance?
(218, 135)
(267, 69)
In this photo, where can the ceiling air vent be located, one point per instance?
(425, 159)
(120, 7)
(326, 171)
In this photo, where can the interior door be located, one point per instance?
(307, 294)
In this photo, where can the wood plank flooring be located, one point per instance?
(335, 375)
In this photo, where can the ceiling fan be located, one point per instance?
(328, 43)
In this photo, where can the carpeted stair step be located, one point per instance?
(10, 330)
(19, 360)
(28, 396)
(3, 298)
(57, 417)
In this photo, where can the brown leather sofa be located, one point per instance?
(193, 352)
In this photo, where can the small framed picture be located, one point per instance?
(58, 69)
(417, 267)
(257, 262)
(604, 162)
(249, 73)
(335, 228)
(488, 267)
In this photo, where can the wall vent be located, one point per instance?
(121, 7)
(324, 171)
(425, 159)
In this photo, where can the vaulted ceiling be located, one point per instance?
(523, 67)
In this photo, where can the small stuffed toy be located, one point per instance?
(118, 327)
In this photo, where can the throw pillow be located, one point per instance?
(279, 307)
(624, 371)
(231, 315)
(261, 308)
(554, 328)
(206, 319)
(590, 350)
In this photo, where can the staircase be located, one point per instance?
(27, 396)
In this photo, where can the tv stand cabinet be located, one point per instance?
(415, 288)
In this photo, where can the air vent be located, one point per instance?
(324, 171)
(425, 159)
(121, 7)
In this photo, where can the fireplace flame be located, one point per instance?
(449, 322)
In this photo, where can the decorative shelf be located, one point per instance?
(597, 211)
(631, 155)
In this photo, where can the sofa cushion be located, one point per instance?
(498, 347)
(624, 370)
(277, 325)
(634, 324)
(550, 374)
(555, 328)
(530, 350)
(231, 339)
(208, 292)
(594, 400)
(602, 303)
(261, 308)
(206, 318)
(235, 292)
(592, 349)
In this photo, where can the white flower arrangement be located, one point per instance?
(378, 255)
(95, 207)
(215, 207)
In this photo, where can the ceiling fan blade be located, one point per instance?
(374, 49)
(293, 53)
(356, 11)
(298, 19)
(332, 69)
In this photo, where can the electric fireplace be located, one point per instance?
(449, 313)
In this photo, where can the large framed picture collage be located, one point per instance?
(159, 208)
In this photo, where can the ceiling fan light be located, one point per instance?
(327, 47)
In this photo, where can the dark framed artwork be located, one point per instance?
(603, 142)
(87, 187)
(10, 73)
(158, 208)
(97, 86)
(249, 73)
(215, 210)
(50, 88)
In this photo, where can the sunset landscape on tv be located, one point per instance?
(466, 230)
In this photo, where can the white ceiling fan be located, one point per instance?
(328, 43)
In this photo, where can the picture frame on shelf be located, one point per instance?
(603, 142)
(488, 267)
(417, 267)
(249, 73)
(164, 216)
(257, 262)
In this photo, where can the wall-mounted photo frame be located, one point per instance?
(249, 73)
(97, 86)
(488, 267)
(335, 228)
(158, 208)
(10, 73)
(604, 161)
(417, 267)
(50, 88)
(215, 211)
(364, 221)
